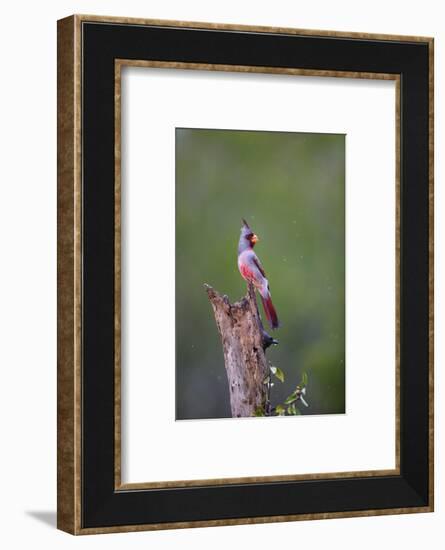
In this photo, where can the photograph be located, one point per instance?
(260, 273)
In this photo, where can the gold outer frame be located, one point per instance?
(69, 266)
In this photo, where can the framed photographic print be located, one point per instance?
(245, 274)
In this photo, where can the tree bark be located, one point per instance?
(244, 342)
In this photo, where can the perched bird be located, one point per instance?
(252, 271)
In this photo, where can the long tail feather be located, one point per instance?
(270, 312)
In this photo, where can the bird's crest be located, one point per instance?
(245, 228)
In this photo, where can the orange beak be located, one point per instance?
(254, 239)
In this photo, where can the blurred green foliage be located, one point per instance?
(290, 187)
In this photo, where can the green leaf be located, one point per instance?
(292, 410)
(292, 397)
(279, 374)
(304, 379)
(280, 410)
(259, 411)
(266, 380)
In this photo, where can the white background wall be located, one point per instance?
(28, 274)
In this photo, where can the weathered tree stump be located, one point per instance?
(244, 342)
